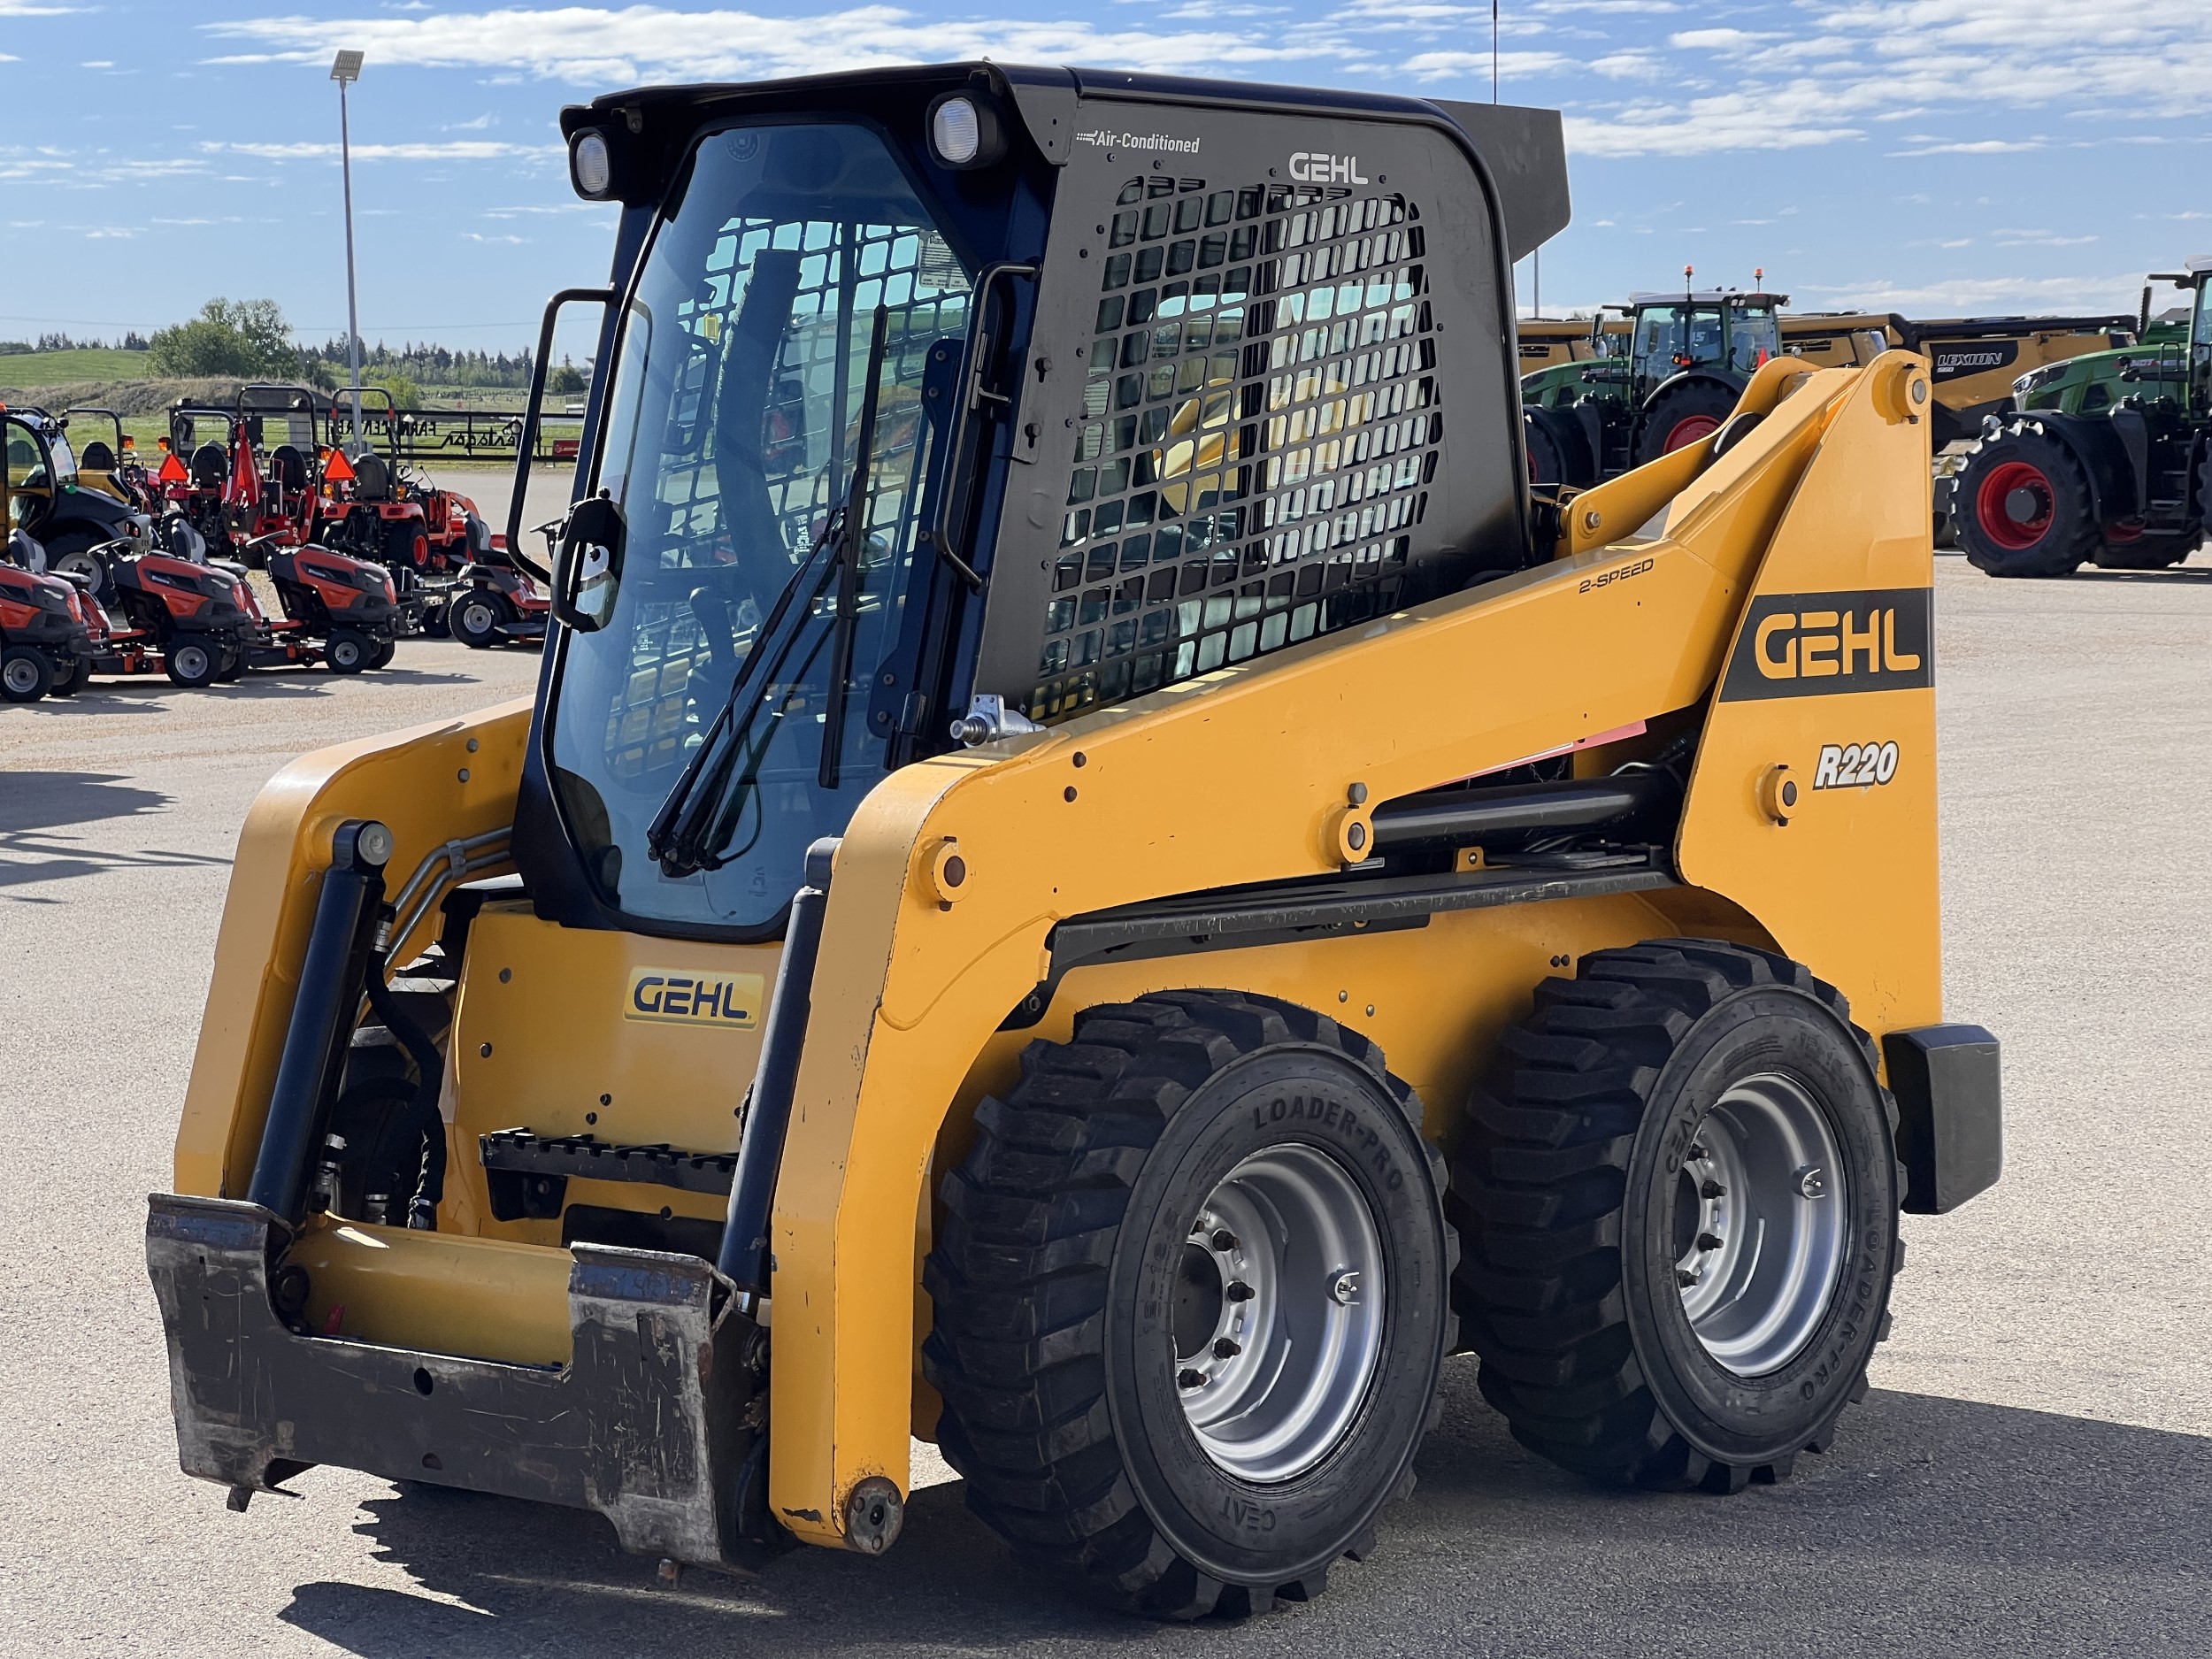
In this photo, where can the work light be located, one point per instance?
(590, 166)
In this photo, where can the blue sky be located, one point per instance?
(1935, 156)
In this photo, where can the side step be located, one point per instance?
(657, 1424)
(528, 1174)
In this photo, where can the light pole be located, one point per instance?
(345, 71)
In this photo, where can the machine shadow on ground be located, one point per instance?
(1916, 1534)
(39, 809)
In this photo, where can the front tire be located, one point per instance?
(25, 675)
(1191, 1302)
(386, 650)
(192, 664)
(1679, 1189)
(2145, 551)
(348, 651)
(2020, 505)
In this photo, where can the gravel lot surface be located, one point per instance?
(2031, 1474)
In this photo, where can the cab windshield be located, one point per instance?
(731, 424)
(1671, 338)
(1756, 336)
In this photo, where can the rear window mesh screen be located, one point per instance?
(1260, 416)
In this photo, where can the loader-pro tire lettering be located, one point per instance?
(1614, 1157)
(1097, 1217)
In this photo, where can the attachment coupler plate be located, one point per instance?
(655, 1423)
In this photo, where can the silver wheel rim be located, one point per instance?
(479, 618)
(22, 675)
(1278, 1313)
(75, 564)
(192, 661)
(1762, 1224)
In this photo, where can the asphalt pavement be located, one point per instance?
(2032, 1472)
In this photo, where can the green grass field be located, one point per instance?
(65, 368)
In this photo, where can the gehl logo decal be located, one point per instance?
(1822, 645)
(684, 996)
(1311, 166)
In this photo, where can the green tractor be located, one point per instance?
(2121, 481)
(2157, 358)
(1673, 377)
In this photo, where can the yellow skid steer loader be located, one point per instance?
(1092, 879)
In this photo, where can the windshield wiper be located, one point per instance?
(852, 540)
(687, 830)
(681, 826)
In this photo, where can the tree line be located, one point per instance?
(250, 339)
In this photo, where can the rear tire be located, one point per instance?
(74, 555)
(1681, 413)
(475, 618)
(2148, 550)
(25, 675)
(2021, 505)
(1145, 1216)
(386, 650)
(1639, 1146)
(191, 663)
(70, 684)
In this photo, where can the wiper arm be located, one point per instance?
(675, 836)
(852, 538)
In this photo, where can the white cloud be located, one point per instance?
(20, 8)
(1983, 295)
(449, 149)
(593, 46)
(1446, 65)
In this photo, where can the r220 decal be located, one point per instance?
(1824, 645)
(1854, 766)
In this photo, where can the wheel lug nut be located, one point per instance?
(1697, 1152)
(1685, 1277)
(1227, 1349)
(1190, 1378)
(1224, 1240)
(1708, 1241)
(1238, 1291)
(1712, 1189)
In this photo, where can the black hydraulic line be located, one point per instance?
(340, 947)
(422, 1208)
(1469, 815)
(744, 1259)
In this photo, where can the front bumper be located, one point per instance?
(658, 1423)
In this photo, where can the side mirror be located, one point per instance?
(589, 575)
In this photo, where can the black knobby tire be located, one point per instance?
(1058, 1281)
(2023, 467)
(2150, 550)
(1679, 413)
(25, 674)
(192, 663)
(475, 618)
(1546, 463)
(348, 650)
(1568, 1192)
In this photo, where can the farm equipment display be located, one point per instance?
(1070, 768)
(2124, 484)
(1673, 377)
(496, 602)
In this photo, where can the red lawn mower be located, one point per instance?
(47, 644)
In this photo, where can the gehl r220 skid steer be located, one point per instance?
(1092, 878)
